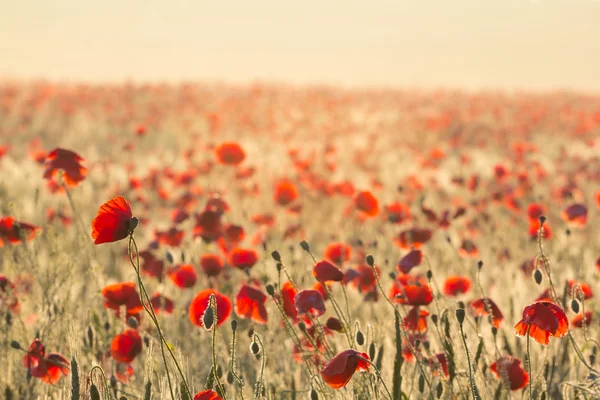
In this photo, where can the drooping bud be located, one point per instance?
(276, 256)
(360, 338)
(537, 275)
(460, 315)
(208, 319)
(370, 260)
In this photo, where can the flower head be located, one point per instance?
(114, 221)
(541, 320)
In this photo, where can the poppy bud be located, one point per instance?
(276, 256)
(334, 324)
(461, 304)
(234, 325)
(304, 245)
(113, 381)
(279, 267)
(575, 306)
(106, 326)
(537, 275)
(592, 359)
(15, 345)
(479, 264)
(421, 383)
(426, 345)
(147, 341)
(133, 223)
(372, 351)
(542, 219)
(460, 315)
(254, 348)
(132, 322)
(429, 274)
(169, 257)
(314, 395)
(8, 318)
(270, 290)
(434, 318)
(219, 371)
(229, 377)
(302, 326)
(417, 343)
(250, 333)
(208, 319)
(439, 390)
(360, 338)
(392, 275)
(370, 260)
(94, 393)
(568, 232)
(494, 331)
(90, 335)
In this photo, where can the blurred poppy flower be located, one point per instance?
(288, 293)
(541, 320)
(485, 307)
(409, 261)
(324, 271)
(211, 264)
(230, 153)
(416, 320)
(122, 294)
(47, 368)
(578, 320)
(468, 249)
(200, 303)
(509, 370)
(114, 221)
(126, 346)
(535, 211)
(397, 213)
(207, 395)
(162, 303)
(8, 296)
(411, 290)
(15, 232)
(243, 258)
(310, 300)
(234, 233)
(183, 276)
(250, 304)
(534, 227)
(585, 288)
(217, 203)
(151, 265)
(340, 369)
(575, 215)
(285, 193)
(208, 225)
(337, 253)
(362, 277)
(415, 237)
(455, 285)
(366, 203)
(67, 161)
(440, 358)
(172, 237)
(179, 215)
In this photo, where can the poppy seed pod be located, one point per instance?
(537, 275)
(133, 223)
(304, 245)
(270, 290)
(542, 219)
(460, 315)
(370, 260)
(208, 319)
(15, 345)
(479, 264)
(276, 256)
(234, 325)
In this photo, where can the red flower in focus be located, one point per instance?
(48, 368)
(122, 294)
(211, 264)
(200, 303)
(575, 214)
(509, 370)
(114, 221)
(8, 296)
(207, 395)
(366, 203)
(243, 258)
(250, 304)
(14, 232)
(324, 271)
(183, 276)
(285, 193)
(485, 306)
(339, 370)
(409, 261)
(578, 320)
(126, 346)
(541, 320)
(162, 303)
(415, 237)
(337, 253)
(455, 285)
(67, 161)
(310, 300)
(230, 153)
(416, 320)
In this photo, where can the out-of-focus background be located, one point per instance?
(467, 44)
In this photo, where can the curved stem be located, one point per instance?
(529, 365)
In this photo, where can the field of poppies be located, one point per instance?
(202, 241)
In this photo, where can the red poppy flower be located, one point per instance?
(397, 213)
(334, 324)
(266, 220)
(208, 225)
(535, 211)
(534, 227)
(211, 264)
(250, 304)
(8, 296)
(577, 321)
(234, 233)
(416, 320)
(509, 370)
(324, 271)
(122, 294)
(310, 300)
(126, 346)
(455, 285)
(415, 237)
(47, 368)
(409, 261)
(337, 253)
(162, 303)
(230, 153)
(411, 290)
(366, 203)
(362, 277)
(468, 249)
(14, 232)
(173, 237)
(217, 203)
(288, 292)
(113, 222)
(200, 302)
(183, 276)
(67, 161)
(339, 370)
(151, 265)
(243, 258)
(207, 395)
(440, 359)
(179, 215)
(575, 214)
(543, 319)
(486, 306)
(285, 193)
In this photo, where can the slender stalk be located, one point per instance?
(529, 365)
(213, 304)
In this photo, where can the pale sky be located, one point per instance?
(473, 44)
